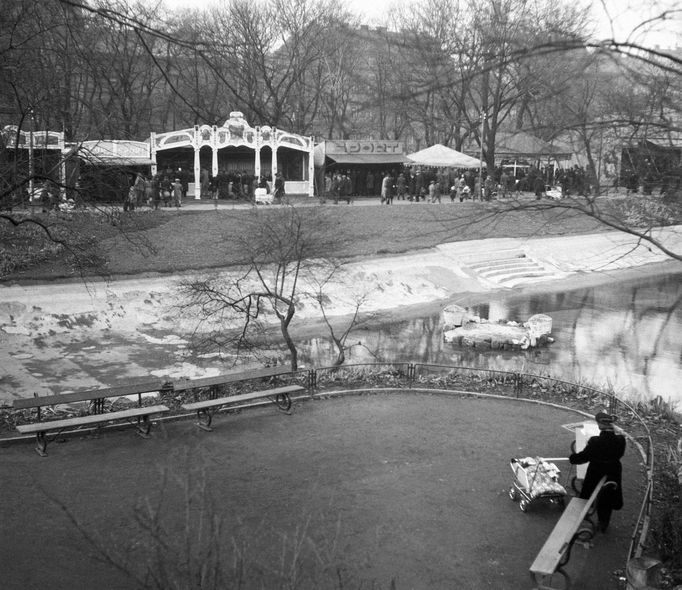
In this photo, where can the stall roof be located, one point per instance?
(116, 153)
(441, 156)
(523, 144)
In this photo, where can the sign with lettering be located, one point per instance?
(351, 146)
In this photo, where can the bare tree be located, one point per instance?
(281, 251)
(338, 335)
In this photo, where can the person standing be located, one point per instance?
(279, 188)
(156, 191)
(418, 185)
(130, 200)
(387, 189)
(177, 193)
(434, 192)
(138, 187)
(504, 185)
(401, 187)
(488, 188)
(166, 189)
(412, 186)
(603, 453)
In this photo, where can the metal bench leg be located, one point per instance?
(41, 444)
(204, 419)
(144, 426)
(283, 402)
(546, 582)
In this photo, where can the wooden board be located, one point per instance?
(81, 396)
(233, 399)
(231, 378)
(548, 558)
(91, 419)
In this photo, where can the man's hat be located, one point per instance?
(604, 418)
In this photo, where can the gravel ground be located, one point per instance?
(410, 488)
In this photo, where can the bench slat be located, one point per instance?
(551, 552)
(550, 555)
(80, 396)
(90, 419)
(232, 399)
(231, 378)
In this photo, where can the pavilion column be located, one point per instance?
(197, 172)
(257, 161)
(214, 151)
(214, 161)
(274, 162)
(152, 154)
(311, 169)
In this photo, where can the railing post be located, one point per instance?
(517, 384)
(411, 373)
(312, 379)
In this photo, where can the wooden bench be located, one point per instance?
(99, 413)
(574, 525)
(206, 408)
(218, 380)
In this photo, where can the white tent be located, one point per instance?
(441, 156)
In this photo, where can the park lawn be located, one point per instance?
(172, 241)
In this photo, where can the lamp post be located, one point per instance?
(31, 163)
(480, 162)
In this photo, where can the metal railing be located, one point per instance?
(503, 383)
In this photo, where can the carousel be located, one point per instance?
(235, 148)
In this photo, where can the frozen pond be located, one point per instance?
(627, 335)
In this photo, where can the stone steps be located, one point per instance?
(511, 271)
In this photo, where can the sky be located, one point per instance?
(617, 19)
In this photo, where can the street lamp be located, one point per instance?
(480, 163)
(31, 163)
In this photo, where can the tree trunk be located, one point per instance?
(284, 325)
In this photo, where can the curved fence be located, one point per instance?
(469, 380)
(527, 386)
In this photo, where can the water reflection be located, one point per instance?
(626, 335)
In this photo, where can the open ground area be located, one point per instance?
(351, 492)
(198, 237)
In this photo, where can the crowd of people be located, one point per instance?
(169, 187)
(416, 184)
(155, 191)
(410, 183)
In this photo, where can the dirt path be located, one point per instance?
(410, 487)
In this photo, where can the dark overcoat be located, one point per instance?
(603, 453)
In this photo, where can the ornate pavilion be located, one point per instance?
(236, 147)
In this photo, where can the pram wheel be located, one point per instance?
(523, 505)
(513, 493)
(574, 485)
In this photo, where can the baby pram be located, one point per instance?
(534, 478)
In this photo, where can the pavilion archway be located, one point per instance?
(236, 146)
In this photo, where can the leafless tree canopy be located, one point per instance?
(450, 71)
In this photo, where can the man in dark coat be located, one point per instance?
(603, 453)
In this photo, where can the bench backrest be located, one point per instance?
(231, 378)
(559, 539)
(92, 394)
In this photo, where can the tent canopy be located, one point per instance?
(441, 156)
